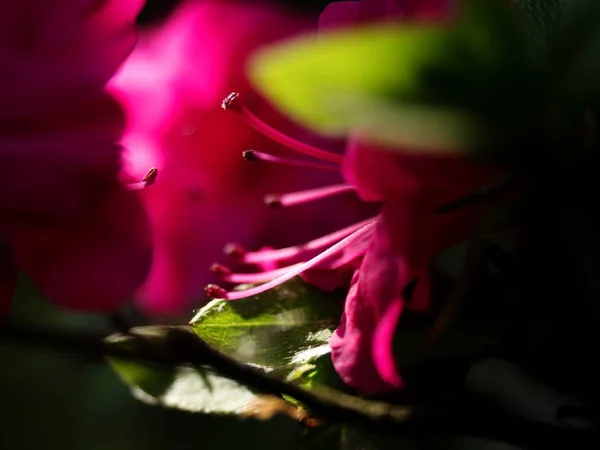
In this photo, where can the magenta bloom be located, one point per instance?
(172, 87)
(383, 255)
(65, 219)
(390, 250)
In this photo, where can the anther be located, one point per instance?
(215, 291)
(148, 180)
(228, 101)
(150, 177)
(249, 155)
(220, 270)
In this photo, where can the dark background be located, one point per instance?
(156, 9)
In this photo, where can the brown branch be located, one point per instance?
(179, 346)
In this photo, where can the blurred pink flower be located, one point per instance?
(66, 220)
(385, 253)
(172, 87)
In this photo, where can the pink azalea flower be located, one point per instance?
(390, 250)
(385, 253)
(172, 87)
(65, 219)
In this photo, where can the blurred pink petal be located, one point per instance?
(93, 264)
(383, 340)
(410, 188)
(55, 171)
(56, 52)
(61, 210)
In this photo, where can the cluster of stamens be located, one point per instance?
(287, 263)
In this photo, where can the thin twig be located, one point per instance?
(179, 346)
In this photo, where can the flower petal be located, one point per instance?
(383, 339)
(351, 349)
(94, 264)
(377, 285)
(55, 51)
(57, 171)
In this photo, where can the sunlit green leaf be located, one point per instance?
(316, 371)
(174, 386)
(286, 328)
(183, 388)
(280, 329)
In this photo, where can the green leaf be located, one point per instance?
(183, 388)
(180, 387)
(281, 329)
(152, 379)
(306, 77)
(316, 371)
(424, 87)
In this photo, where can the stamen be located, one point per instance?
(255, 277)
(302, 249)
(232, 102)
(215, 291)
(148, 180)
(253, 155)
(296, 198)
